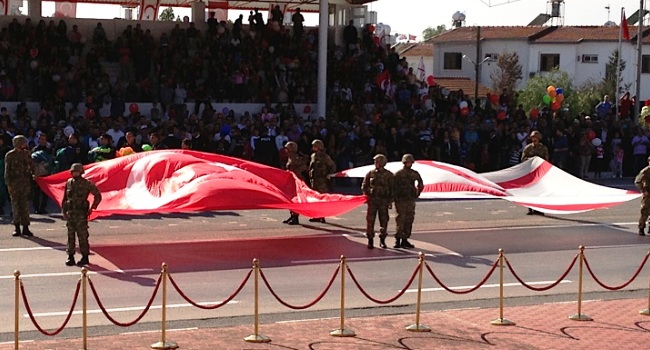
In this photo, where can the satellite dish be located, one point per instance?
(610, 24)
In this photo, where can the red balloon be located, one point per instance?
(464, 111)
(534, 113)
(431, 81)
(555, 105)
(591, 135)
(501, 115)
(307, 109)
(134, 108)
(90, 113)
(647, 102)
(494, 99)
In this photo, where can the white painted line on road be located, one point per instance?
(166, 330)
(613, 246)
(21, 342)
(127, 309)
(510, 228)
(9, 250)
(78, 273)
(496, 285)
(572, 302)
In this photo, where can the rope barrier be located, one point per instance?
(308, 305)
(466, 291)
(65, 322)
(638, 271)
(215, 306)
(388, 301)
(542, 289)
(114, 321)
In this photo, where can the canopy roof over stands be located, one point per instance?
(305, 5)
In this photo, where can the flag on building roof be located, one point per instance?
(412, 37)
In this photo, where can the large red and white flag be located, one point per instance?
(535, 184)
(149, 10)
(169, 181)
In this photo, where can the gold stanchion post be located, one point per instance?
(342, 332)
(16, 308)
(257, 338)
(580, 316)
(163, 343)
(501, 321)
(417, 327)
(84, 307)
(646, 311)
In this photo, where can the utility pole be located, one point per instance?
(477, 65)
(639, 62)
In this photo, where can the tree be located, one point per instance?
(532, 95)
(431, 32)
(167, 15)
(609, 82)
(508, 72)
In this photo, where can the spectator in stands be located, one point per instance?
(297, 19)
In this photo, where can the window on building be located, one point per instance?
(492, 56)
(645, 64)
(453, 60)
(549, 61)
(589, 59)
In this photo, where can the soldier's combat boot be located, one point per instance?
(398, 243)
(83, 261)
(382, 242)
(371, 243)
(70, 260)
(26, 231)
(407, 244)
(642, 231)
(293, 220)
(16, 232)
(288, 220)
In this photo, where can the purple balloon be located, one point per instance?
(225, 110)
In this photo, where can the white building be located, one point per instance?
(581, 51)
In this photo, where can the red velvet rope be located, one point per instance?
(466, 291)
(388, 301)
(137, 319)
(31, 315)
(638, 271)
(308, 305)
(210, 307)
(541, 289)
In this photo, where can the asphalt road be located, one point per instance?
(209, 254)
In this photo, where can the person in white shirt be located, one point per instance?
(116, 133)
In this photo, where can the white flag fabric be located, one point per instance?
(535, 184)
(421, 69)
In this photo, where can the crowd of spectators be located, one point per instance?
(376, 104)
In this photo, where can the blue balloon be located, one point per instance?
(559, 91)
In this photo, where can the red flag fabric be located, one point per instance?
(625, 29)
(169, 181)
(66, 9)
(149, 10)
(412, 37)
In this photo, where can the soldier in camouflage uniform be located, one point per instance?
(321, 167)
(75, 210)
(297, 165)
(642, 182)
(19, 172)
(378, 187)
(534, 148)
(405, 194)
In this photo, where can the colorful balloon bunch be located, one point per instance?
(554, 97)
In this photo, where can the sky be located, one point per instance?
(413, 16)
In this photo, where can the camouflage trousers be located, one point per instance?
(377, 208)
(77, 225)
(645, 211)
(405, 217)
(19, 195)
